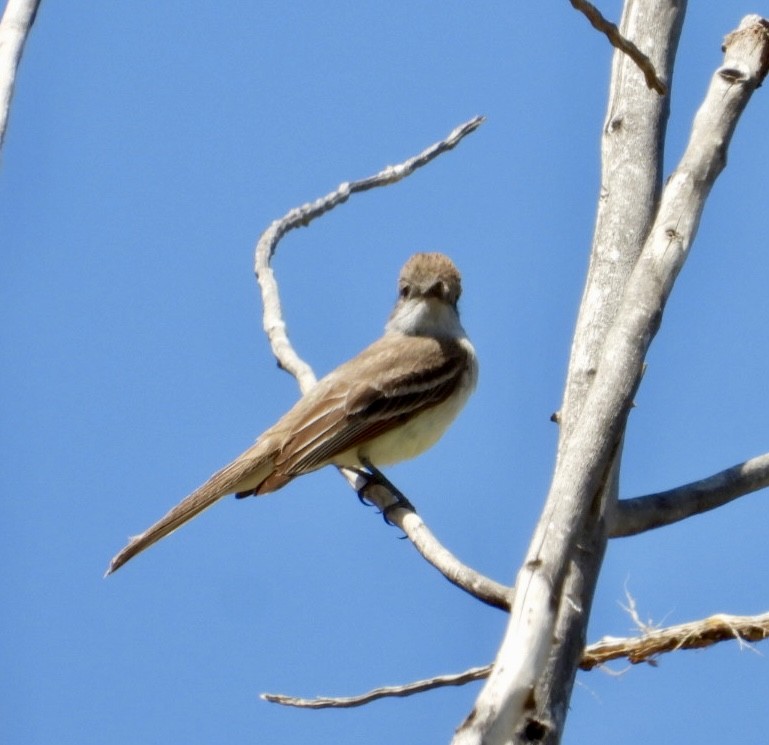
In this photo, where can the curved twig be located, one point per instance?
(637, 515)
(274, 325)
(462, 576)
(409, 689)
(644, 648)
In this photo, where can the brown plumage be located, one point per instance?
(389, 403)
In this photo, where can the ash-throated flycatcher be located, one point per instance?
(390, 403)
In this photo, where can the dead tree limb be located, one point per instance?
(693, 635)
(630, 183)
(17, 20)
(507, 709)
(645, 648)
(637, 515)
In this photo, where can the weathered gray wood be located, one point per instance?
(16, 23)
(634, 516)
(526, 695)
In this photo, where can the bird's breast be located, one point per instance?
(418, 433)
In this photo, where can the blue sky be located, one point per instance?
(148, 148)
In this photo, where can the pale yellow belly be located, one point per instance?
(413, 437)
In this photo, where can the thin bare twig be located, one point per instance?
(637, 515)
(645, 627)
(439, 681)
(483, 588)
(644, 648)
(618, 41)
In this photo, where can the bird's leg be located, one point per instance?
(375, 475)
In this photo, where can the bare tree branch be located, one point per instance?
(505, 707)
(409, 689)
(644, 648)
(480, 587)
(486, 590)
(692, 635)
(632, 145)
(18, 17)
(637, 515)
(618, 41)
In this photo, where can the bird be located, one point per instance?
(390, 403)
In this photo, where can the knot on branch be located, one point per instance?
(734, 75)
(535, 731)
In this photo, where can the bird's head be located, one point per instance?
(429, 287)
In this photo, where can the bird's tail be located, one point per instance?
(243, 472)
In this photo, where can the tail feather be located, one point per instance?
(241, 473)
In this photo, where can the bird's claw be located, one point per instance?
(402, 503)
(362, 497)
(374, 476)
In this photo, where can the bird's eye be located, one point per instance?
(405, 291)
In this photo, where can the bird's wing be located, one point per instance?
(351, 406)
(344, 409)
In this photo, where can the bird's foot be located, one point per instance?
(374, 475)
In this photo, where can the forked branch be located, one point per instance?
(505, 707)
